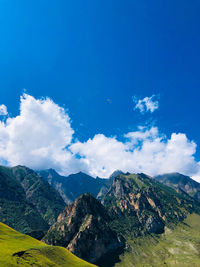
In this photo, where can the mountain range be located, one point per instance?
(98, 220)
(72, 186)
(135, 205)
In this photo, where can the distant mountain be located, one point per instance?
(74, 185)
(22, 250)
(83, 228)
(27, 202)
(181, 183)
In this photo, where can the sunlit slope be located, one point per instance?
(177, 247)
(17, 249)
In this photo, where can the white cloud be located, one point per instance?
(146, 104)
(143, 151)
(37, 137)
(3, 110)
(41, 137)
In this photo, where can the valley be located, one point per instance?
(177, 246)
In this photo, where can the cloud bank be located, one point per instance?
(147, 104)
(41, 137)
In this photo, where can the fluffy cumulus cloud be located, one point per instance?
(41, 137)
(144, 150)
(37, 137)
(146, 104)
(3, 110)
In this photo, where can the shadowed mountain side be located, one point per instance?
(28, 203)
(74, 185)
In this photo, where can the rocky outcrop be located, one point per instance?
(145, 205)
(83, 228)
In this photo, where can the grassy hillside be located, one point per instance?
(22, 250)
(177, 247)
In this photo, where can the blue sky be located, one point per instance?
(92, 57)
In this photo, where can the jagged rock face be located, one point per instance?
(181, 183)
(83, 229)
(107, 184)
(144, 204)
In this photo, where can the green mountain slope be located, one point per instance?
(181, 183)
(22, 250)
(27, 202)
(179, 247)
(139, 204)
(15, 210)
(44, 197)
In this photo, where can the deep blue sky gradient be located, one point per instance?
(81, 53)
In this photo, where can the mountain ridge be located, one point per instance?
(72, 186)
(181, 183)
(83, 229)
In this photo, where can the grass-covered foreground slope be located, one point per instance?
(17, 249)
(176, 247)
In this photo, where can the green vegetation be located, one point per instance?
(178, 246)
(28, 203)
(45, 199)
(21, 250)
(138, 205)
(181, 183)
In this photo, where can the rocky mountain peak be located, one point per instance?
(82, 206)
(145, 204)
(115, 174)
(83, 228)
